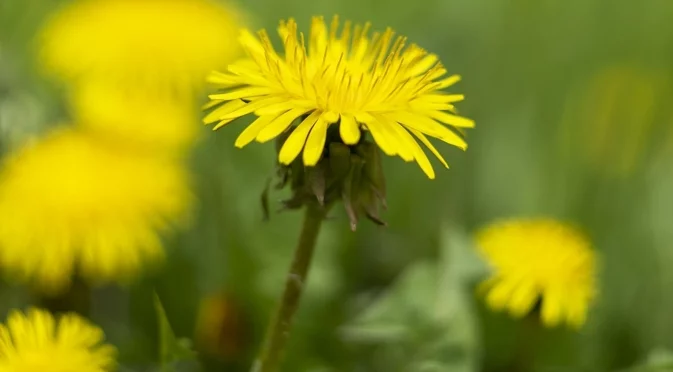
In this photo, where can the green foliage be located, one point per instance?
(425, 320)
(171, 349)
(659, 360)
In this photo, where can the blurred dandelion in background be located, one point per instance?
(78, 205)
(96, 200)
(151, 120)
(38, 341)
(134, 68)
(168, 43)
(348, 78)
(539, 260)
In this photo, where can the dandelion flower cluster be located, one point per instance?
(140, 41)
(351, 79)
(134, 68)
(96, 199)
(536, 260)
(36, 341)
(71, 203)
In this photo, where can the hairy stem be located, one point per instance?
(278, 332)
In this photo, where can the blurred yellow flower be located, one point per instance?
(71, 203)
(539, 260)
(36, 341)
(173, 42)
(360, 82)
(150, 119)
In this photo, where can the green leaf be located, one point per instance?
(425, 321)
(659, 360)
(171, 348)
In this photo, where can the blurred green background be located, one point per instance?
(574, 121)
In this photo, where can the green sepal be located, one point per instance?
(351, 187)
(315, 178)
(374, 170)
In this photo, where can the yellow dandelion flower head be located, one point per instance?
(539, 260)
(156, 41)
(147, 118)
(70, 202)
(36, 341)
(374, 83)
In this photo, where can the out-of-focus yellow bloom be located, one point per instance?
(70, 202)
(348, 78)
(613, 117)
(539, 260)
(36, 341)
(171, 42)
(135, 116)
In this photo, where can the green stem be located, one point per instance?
(278, 331)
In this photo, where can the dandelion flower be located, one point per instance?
(539, 260)
(146, 118)
(358, 82)
(150, 41)
(36, 341)
(70, 202)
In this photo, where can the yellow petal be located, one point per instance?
(389, 128)
(428, 126)
(424, 64)
(419, 154)
(454, 120)
(295, 142)
(577, 312)
(381, 139)
(500, 293)
(222, 79)
(250, 107)
(286, 105)
(219, 112)
(445, 83)
(552, 307)
(211, 104)
(330, 117)
(244, 71)
(245, 92)
(429, 145)
(315, 143)
(252, 130)
(318, 37)
(523, 299)
(349, 129)
(420, 105)
(442, 98)
(279, 125)
(252, 45)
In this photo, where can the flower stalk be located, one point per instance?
(278, 331)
